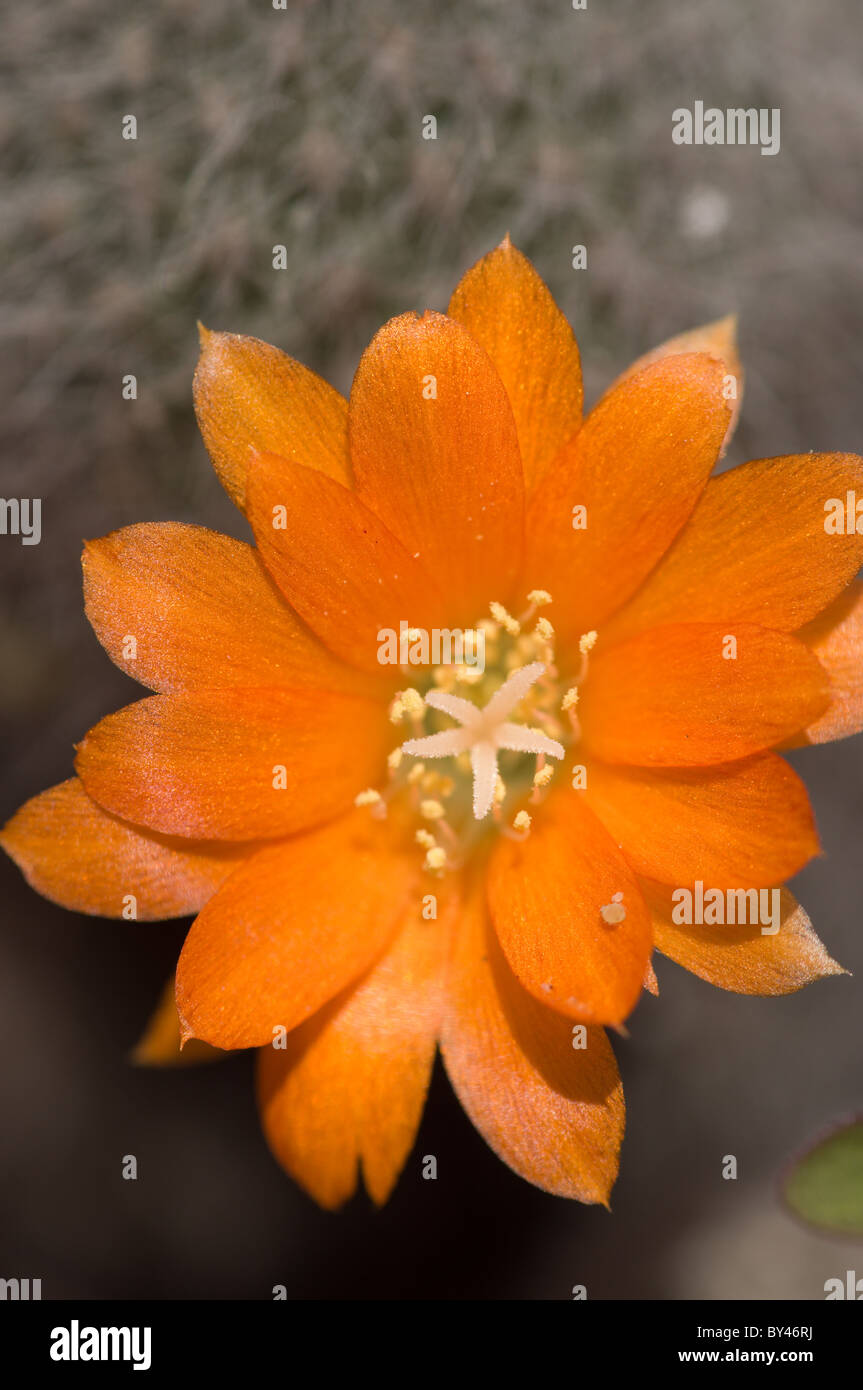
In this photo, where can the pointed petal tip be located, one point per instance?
(380, 1193)
(204, 335)
(725, 331)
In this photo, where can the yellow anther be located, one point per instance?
(586, 643)
(432, 810)
(436, 782)
(367, 798)
(412, 701)
(613, 914)
(394, 759)
(435, 859)
(469, 675)
(570, 699)
(544, 630)
(522, 821)
(444, 677)
(506, 620)
(540, 597)
(544, 775)
(499, 790)
(416, 774)
(397, 709)
(425, 838)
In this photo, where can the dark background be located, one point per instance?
(303, 127)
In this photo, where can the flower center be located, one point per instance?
(483, 740)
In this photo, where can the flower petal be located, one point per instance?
(442, 471)
(159, 1044)
(755, 549)
(350, 1085)
(719, 339)
(552, 1111)
(740, 958)
(249, 395)
(546, 894)
(669, 698)
(507, 308)
(79, 856)
(202, 612)
(637, 467)
(234, 764)
(336, 563)
(296, 924)
(836, 638)
(736, 825)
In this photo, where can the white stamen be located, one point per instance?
(485, 732)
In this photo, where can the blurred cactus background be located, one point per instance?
(303, 127)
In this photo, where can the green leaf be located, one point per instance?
(825, 1186)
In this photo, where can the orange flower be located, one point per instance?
(383, 857)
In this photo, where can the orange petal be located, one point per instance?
(234, 764)
(350, 1084)
(755, 549)
(74, 853)
(836, 638)
(507, 308)
(651, 984)
(719, 339)
(289, 931)
(180, 608)
(740, 958)
(637, 467)
(339, 566)
(546, 895)
(552, 1111)
(159, 1044)
(249, 395)
(442, 472)
(669, 698)
(735, 825)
